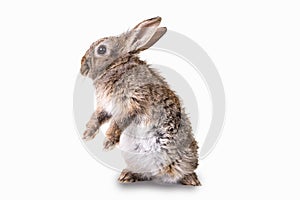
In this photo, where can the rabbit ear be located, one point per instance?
(157, 35)
(145, 34)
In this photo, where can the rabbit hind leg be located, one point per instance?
(130, 177)
(190, 179)
(173, 174)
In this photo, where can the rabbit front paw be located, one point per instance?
(109, 144)
(89, 134)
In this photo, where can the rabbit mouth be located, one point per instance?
(84, 70)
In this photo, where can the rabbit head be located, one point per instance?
(106, 51)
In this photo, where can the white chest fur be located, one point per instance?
(107, 103)
(110, 104)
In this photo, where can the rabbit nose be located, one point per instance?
(83, 60)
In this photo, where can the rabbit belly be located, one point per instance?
(140, 150)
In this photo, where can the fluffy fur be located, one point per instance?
(148, 120)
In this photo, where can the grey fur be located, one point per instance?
(147, 118)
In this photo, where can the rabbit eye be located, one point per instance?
(101, 49)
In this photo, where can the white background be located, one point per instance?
(254, 44)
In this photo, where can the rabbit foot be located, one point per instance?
(112, 136)
(89, 134)
(130, 177)
(109, 144)
(127, 177)
(190, 179)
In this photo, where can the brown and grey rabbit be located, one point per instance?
(148, 121)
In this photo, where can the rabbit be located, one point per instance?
(147, 119)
